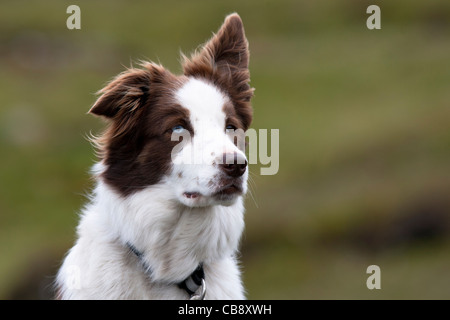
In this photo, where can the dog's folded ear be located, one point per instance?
(224, 60)
(128, 91)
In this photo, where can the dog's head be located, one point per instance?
(184, 131)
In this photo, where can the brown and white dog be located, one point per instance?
(166, 217)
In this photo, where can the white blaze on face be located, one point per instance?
(204, 102)
(196, 165)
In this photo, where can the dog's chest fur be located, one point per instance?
(173, 242)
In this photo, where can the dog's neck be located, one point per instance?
(173, 239)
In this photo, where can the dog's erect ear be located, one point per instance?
(224, 59)
(128, 91)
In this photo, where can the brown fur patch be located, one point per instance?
(136, 146)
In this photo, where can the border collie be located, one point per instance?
(166, 214)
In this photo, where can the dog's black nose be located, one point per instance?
(233, 164)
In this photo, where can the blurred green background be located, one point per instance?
(364, 120)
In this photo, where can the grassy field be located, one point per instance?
(363, 116)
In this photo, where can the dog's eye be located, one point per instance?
(230, 128)
(178, 129)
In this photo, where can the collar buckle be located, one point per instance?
(194, 285)
(200, 293)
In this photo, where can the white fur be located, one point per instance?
(198, 167)
(174, 233)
